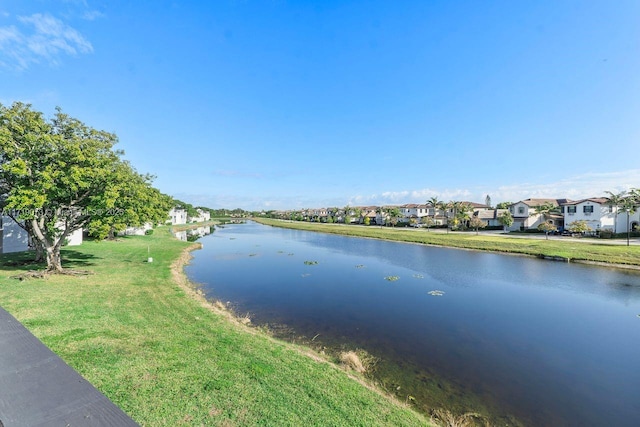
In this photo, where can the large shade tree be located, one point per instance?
(134, 203)
(56, 176)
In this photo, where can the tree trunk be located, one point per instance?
(39, 251)
(54, 260)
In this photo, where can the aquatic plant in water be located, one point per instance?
(392, 278)
(436, 293)
(360, 266)
(311, 262)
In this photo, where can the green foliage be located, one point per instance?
(55, 174)
(61, 175)
(135, 203)
(547, 227)
(506, 219)
(579, 226)
(503, 205)
(427, 221)
(476, 223)
(367, 220)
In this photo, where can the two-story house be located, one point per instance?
(595, 211)
(177, 216)
(526, 216)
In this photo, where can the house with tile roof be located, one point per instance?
(599, 215)
(526, 216)
(490, 216)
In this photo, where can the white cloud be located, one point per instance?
(41, 37)
(576, 187)
(92, 15)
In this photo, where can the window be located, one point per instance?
(571, 210)
(587, 209)
(521, 210)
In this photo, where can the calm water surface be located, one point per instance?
(547, 343)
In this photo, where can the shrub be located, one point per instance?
(606, 233)
(149, 232)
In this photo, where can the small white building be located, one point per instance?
(14, 238)
(201, 217)
(177, 216)
(137, 231)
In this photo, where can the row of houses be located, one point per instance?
(14, 238)
(597, 212)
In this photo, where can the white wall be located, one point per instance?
(75, 238)
(178, 216)
(13, 237)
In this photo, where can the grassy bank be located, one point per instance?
(166, 358)
(574, 251)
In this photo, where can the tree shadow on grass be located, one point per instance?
(20, 261)
(73, 259)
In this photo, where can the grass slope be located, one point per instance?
(167, 359)
(611, 254)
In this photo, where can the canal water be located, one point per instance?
(526, 341)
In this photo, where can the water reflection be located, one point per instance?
(193, 234)
(549, 343)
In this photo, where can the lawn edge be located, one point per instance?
(192, 291)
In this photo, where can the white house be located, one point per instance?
(413, 211)
(14, 238)
(599, 215)
(137, 231)
(202, 216)
(526, 217)
(177, 216)
(594, 211)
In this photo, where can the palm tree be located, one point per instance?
(462, 214)
(433, 201)
(380, 213)
(394, 214)
(616, 201)
(347, 214)
(358, 214)
(629, 205)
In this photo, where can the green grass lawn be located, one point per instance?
(574, 251)
(166, 359)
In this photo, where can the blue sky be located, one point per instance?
(290, 104)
